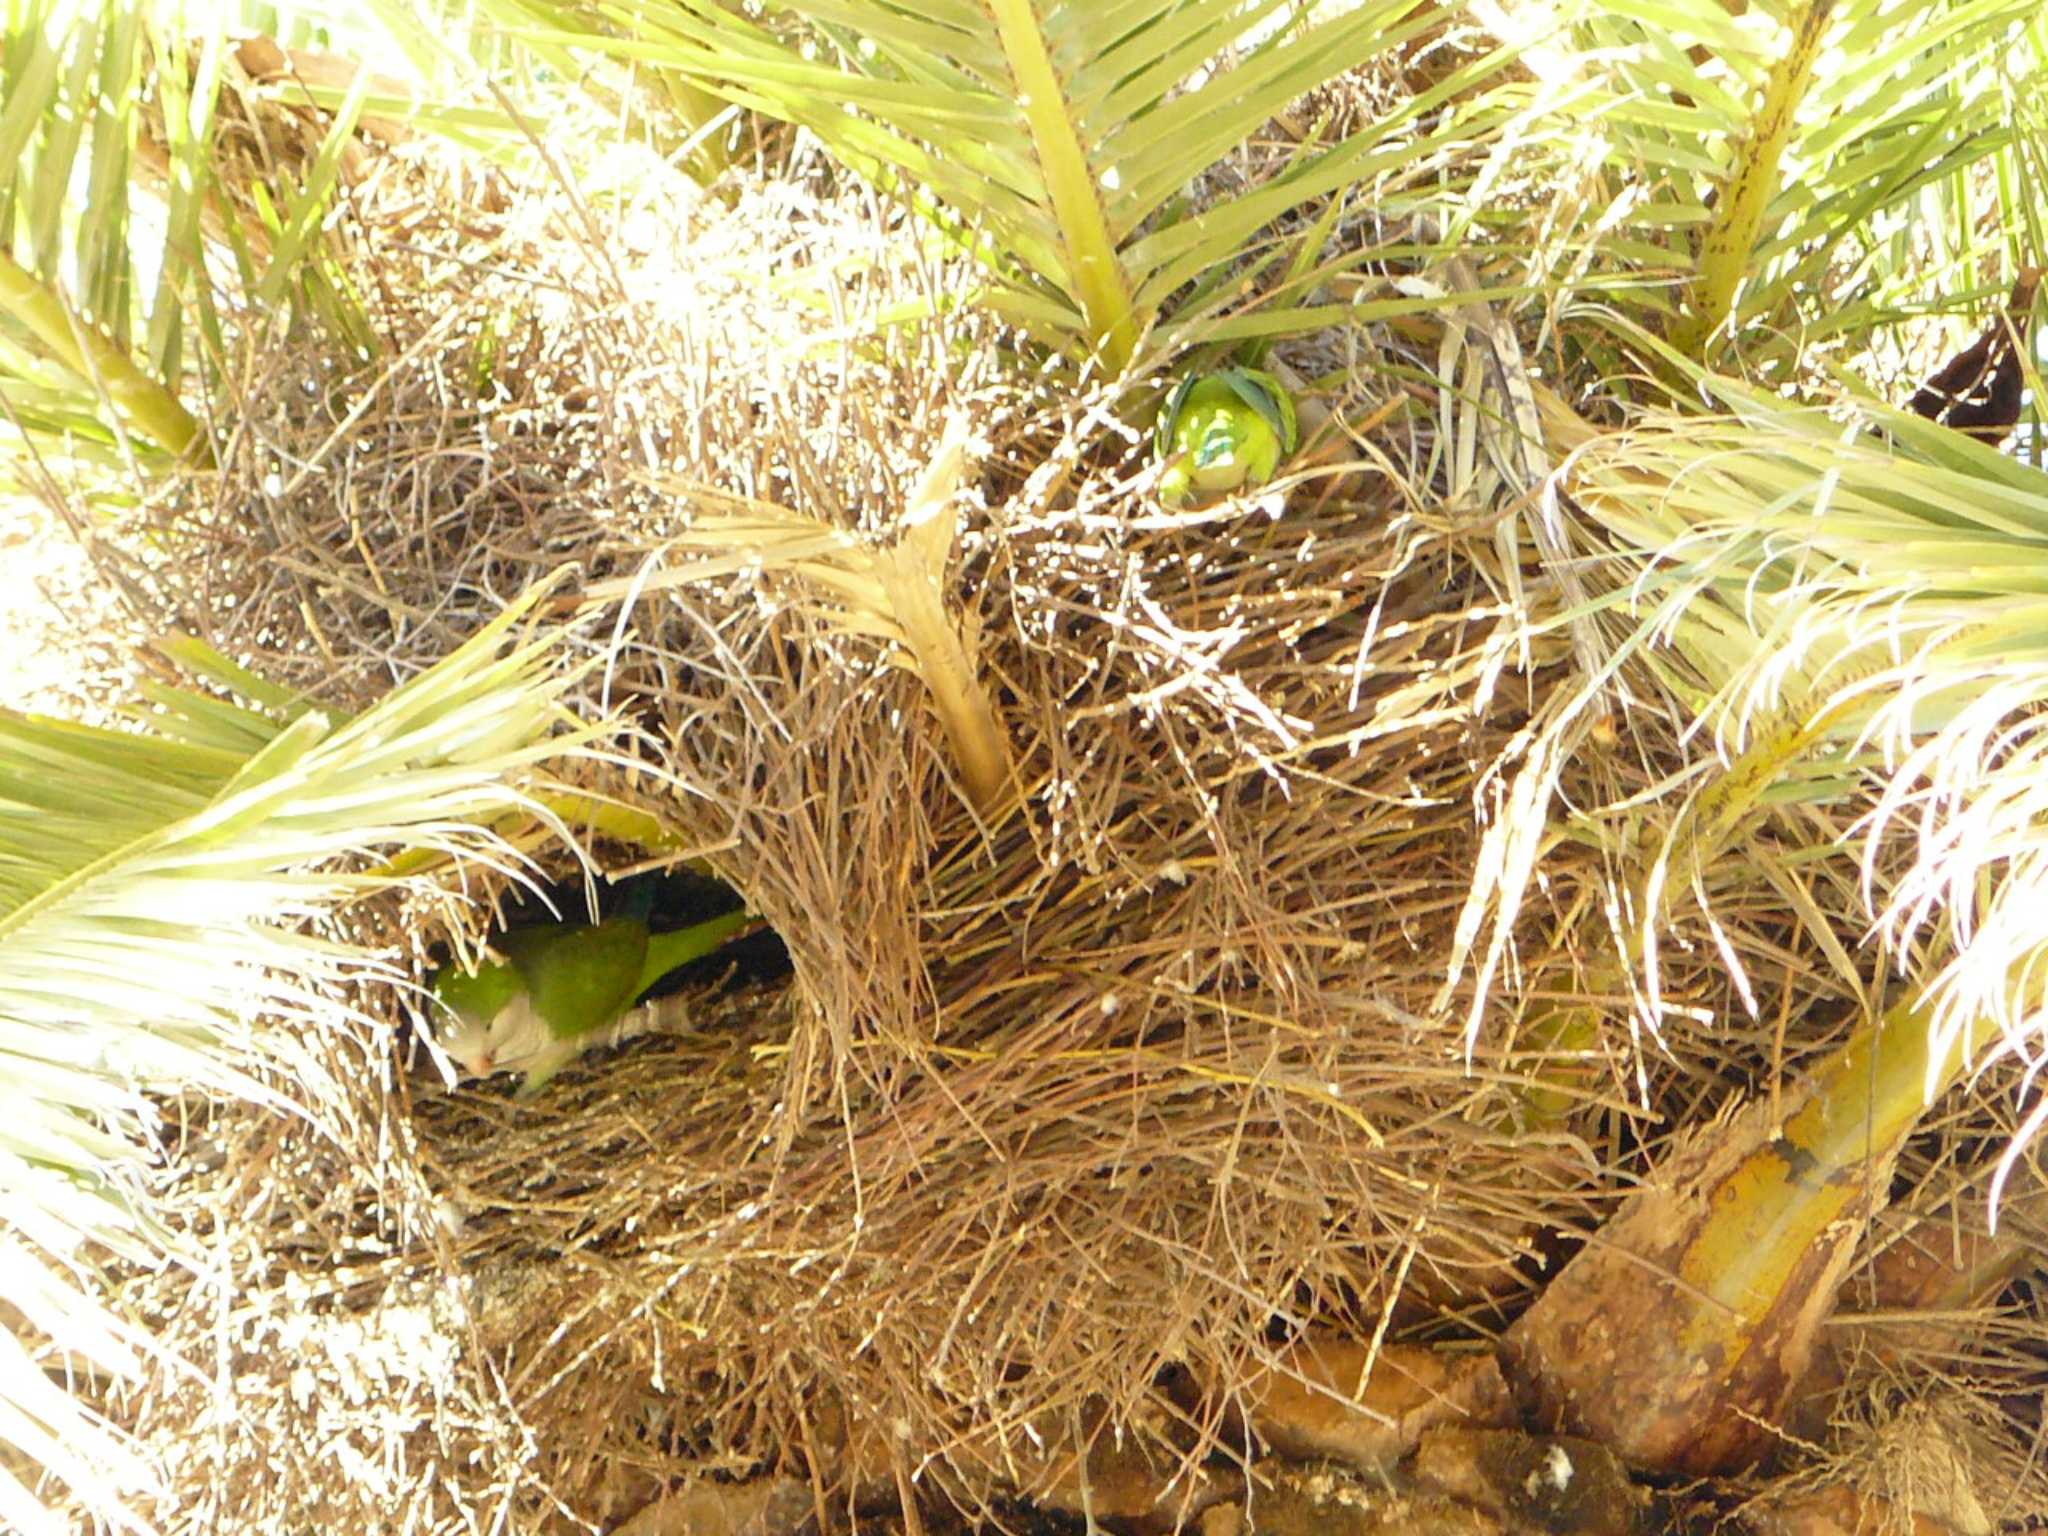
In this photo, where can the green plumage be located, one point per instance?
(478, 995)
(580, 977)
(550, 988)
(1223, 431)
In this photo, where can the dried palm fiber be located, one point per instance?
(1108, 1086)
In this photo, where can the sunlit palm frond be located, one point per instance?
(1061, 138)
(1847, 605)
(1793, 174)
(81, 324)
(527, 51)
(150, 882)
(127, 239)
(115, 229)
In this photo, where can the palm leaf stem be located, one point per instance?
(143, 405)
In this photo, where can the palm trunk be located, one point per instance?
(1678, 1335)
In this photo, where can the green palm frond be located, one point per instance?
(1802, 170)
(151, 882)
(529, 50)
(1058, 140)
(126, 236)
(1849, 605)
(102, 249)
(84, 334)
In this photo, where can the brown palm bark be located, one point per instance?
(1679, 1334)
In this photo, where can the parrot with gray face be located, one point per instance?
(548, 992)
(1223, 431)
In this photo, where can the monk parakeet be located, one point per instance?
(549, 991)
(1223, 431)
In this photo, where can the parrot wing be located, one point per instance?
(1170, 412)
(580, 977)
(1268, 397)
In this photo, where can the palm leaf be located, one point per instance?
(114, 208)
(70, 294)
(1798, 173)
(1888, 597)
(1063, 136)
(695, 131)
(150, 884)
(1852, 610)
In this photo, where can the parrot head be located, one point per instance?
(489, 1024)
(1223, 431)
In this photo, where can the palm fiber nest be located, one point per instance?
(1063, 1126)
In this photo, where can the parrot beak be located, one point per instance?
(470, 1049)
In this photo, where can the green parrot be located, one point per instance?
(547, 992)
(1223, 431)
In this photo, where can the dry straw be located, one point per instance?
(1068, 1095)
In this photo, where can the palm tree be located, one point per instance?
(1822, 598)
(1823, 601)
(1057, 147)
(1708, 218)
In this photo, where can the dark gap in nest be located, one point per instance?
(1016, 1517)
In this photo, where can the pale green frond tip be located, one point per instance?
(1223, 431)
